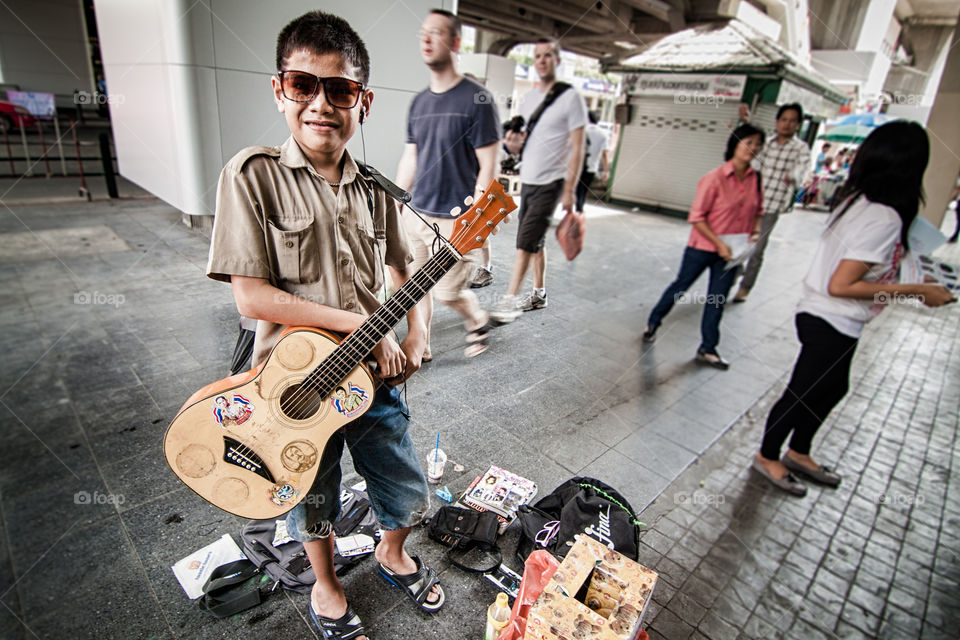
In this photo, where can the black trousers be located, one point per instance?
(820, 380)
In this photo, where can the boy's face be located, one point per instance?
(321, 130)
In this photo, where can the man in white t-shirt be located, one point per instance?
(552, 158)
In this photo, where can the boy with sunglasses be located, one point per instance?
(300, 234)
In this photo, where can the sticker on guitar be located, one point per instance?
(235, 413)
(350, 401)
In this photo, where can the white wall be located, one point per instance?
(43, 46)
(195, 84)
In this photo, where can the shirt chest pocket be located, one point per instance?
(296, 255)
(369, 256)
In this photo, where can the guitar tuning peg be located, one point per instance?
(489, 196)
(495, 231)
(468, 200)
(502, 211)
(455, 211)
(506, 220)
(464, 222)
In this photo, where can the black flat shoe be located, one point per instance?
(650, 334)
(712, 359)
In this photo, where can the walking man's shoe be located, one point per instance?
(482, 277)
(506, 310)
(533, 301)
(741, 295)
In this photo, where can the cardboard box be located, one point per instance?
(616, 588)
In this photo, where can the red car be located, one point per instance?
(12, 115)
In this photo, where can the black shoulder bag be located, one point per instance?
(463, 530)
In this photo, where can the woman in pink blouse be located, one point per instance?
(728, 201)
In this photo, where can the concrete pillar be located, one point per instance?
(944, 128)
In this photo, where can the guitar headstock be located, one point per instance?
(481, 218)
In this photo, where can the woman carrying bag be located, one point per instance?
(728, 200)
(853, 275)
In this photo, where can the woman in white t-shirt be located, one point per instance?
(853, 275)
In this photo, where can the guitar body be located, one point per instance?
(251, 444)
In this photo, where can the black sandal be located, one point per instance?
(417, 585)
(344, 628)
(478, 341)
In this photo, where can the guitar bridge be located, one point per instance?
(239, 455)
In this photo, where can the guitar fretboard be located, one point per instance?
(358, 345)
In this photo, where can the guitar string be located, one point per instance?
(355, 347)
(338, 362)
(434, 270)
(349, 354)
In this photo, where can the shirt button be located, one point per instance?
(289, 243)
(349, 305)
(345, 262)
(340, 219)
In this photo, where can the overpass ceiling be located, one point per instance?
(604, 29)
(928, 12)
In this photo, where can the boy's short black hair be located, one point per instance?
(793, 105)
(321, 33)
(455, 25)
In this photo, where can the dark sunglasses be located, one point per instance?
(300, 86)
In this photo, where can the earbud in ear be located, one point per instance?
(363, 115)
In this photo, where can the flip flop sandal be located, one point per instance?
(344, 628)
(417, 585)
(478, 341)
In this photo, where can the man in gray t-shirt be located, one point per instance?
(549, 171)
(452, 135)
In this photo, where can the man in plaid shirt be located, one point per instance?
(782, 165)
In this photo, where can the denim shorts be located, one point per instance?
(383, 454)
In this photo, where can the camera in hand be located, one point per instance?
(514, 124)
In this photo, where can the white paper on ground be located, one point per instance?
(192, 572)
(740, 248)
(281, 535)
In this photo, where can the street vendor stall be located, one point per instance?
(682, 98)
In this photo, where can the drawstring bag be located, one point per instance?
(579, 506)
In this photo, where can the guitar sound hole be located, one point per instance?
(299, 403)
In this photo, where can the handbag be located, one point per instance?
(463, 530)
(570, 233)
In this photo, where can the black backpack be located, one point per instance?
(285, 566)
(578, 506)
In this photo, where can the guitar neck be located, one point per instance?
(357, 346)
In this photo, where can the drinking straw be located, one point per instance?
(436, 453)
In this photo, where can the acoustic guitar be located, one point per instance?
(251, 444)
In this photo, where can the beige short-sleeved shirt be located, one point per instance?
(278, 219)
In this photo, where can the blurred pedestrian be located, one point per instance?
(453, 135)
(853, 274)
(551, 150)
(728, 201)
(782, 163)
(597, 157)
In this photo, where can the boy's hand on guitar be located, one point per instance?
(391, 360)
(413, 347)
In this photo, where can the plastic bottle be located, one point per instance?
(498, 615)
